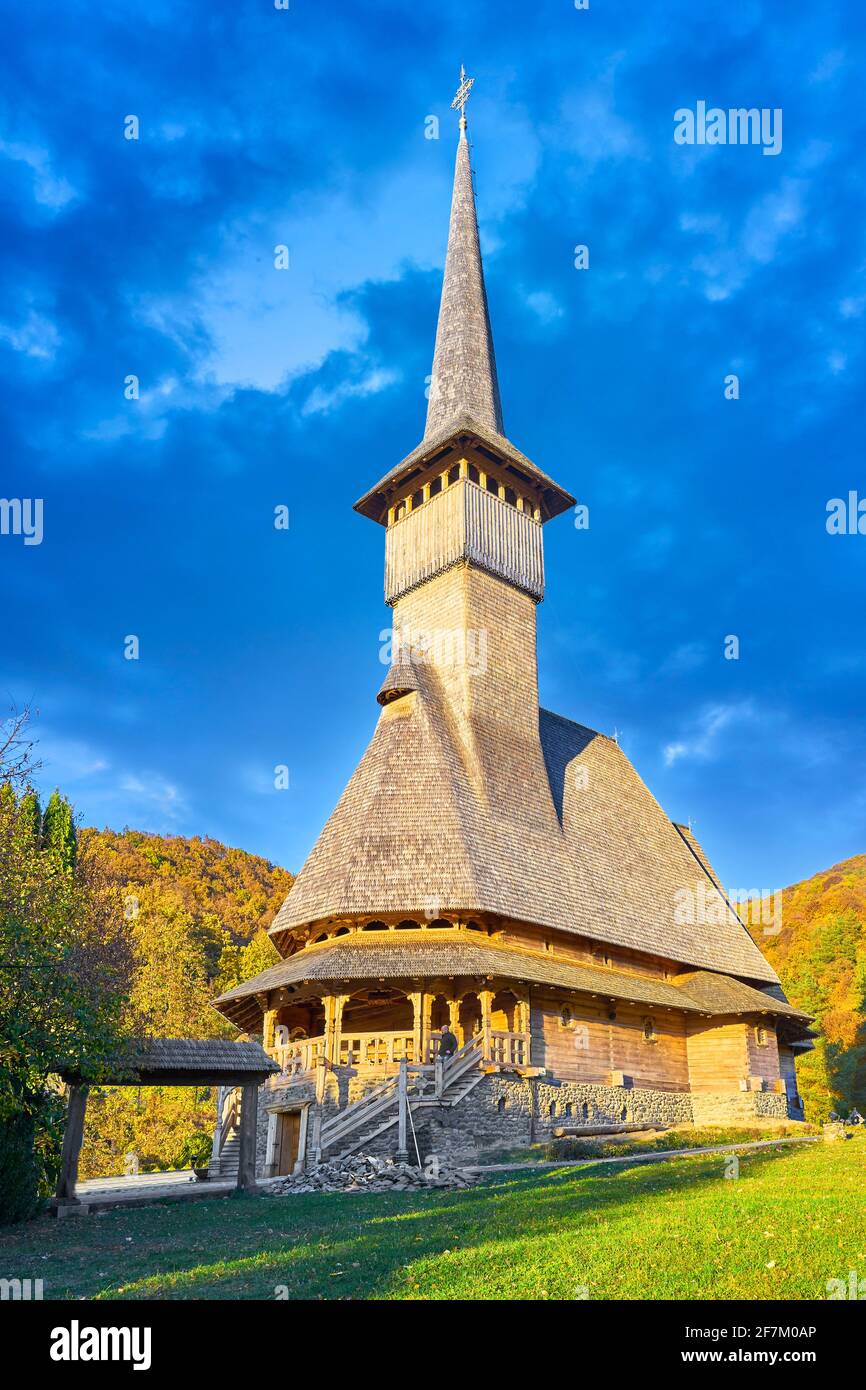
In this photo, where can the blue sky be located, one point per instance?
(259, 387)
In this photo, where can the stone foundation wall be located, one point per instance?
(740, 1107)
(505, 1112)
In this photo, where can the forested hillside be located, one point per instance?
(198, 913)
(820, 954)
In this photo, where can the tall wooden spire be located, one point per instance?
(464, 381)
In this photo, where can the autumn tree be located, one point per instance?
(67, 965)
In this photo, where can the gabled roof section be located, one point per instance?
(582, 847)
(633, 875)
(720, 994)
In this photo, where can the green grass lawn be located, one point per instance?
(794, 1218)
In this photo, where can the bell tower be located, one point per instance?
(465, 495)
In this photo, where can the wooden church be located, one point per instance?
(492, 865)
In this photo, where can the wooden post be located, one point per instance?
(486, 999)
(426, 1027)
(437, 1072)
(340, 1002)
(73, 1136)
(402, 1101)
(417, 1026)
(268, 1027)
(329, 1002)
(217, 1133)
(524, 1020)
(454, 1019)
(248, 1136)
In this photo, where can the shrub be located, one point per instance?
(195, 1151)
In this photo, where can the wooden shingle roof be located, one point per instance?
(581, 845)
(180, 1061)
(453, 955)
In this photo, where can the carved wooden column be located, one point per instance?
(330, 1003)
(454, 1019)
(485, 997)
(426, 1026)
(417, 1025)
(340, 1002)
(524, 1026)
(268, 1025)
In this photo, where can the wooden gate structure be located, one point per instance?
(169, 1062)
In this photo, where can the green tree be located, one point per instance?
(67, 965)
(58, 831)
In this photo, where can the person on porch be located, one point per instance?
(447, 1042)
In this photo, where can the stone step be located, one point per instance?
(226, 1165)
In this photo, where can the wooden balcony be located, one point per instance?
(297, 1058)
(374, 1051)
(509, 1049)
(382, 1051)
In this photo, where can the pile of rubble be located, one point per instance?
(365, 1173)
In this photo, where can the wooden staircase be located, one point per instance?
(443, 1085)
(227, 1161)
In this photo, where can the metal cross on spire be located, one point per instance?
(462, 96)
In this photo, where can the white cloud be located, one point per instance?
(702, 743)
(545, 306)
(35, 337)
(150, 794)
(320, 401)
(731, 256)
(49, 189)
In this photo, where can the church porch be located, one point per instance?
(371, 1029)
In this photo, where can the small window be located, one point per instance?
(551, 1110)
(565, 1016)
(374, 926)
(569, 1110)
(408, 926)
(500, 1104)
(761, 1036)
(453, 474)
(417, 498)
(492, 485)
(435, 487)
(439, 923)
(472, 473)
(511, 497)
(342, 931)
(649, 1030)
(399, 510)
